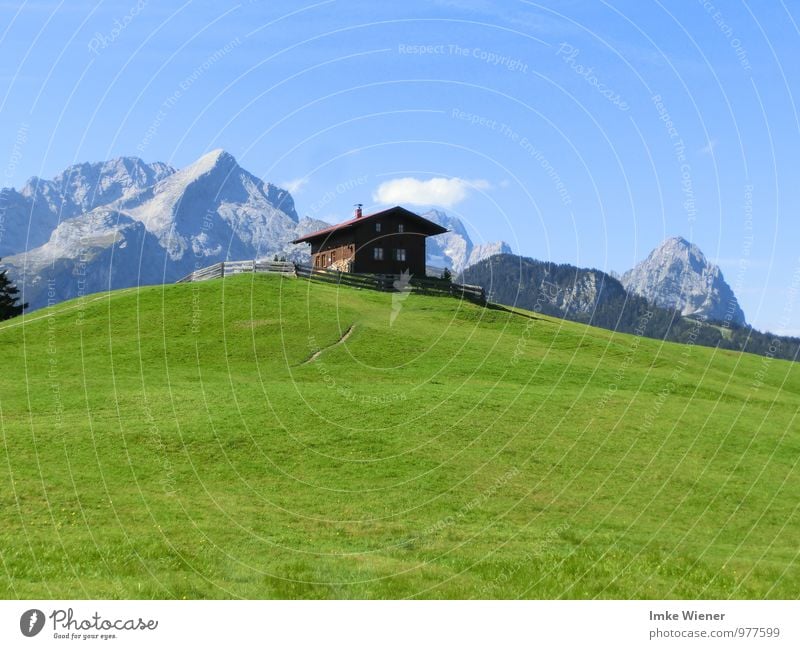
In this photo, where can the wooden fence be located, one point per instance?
(424, 285)
(227, 268)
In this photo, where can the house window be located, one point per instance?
(377, 254)
(377, 227)
(333, 256)
(401, 228)
(400, 254)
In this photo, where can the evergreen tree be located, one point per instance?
(9, 306)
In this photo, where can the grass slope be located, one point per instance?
(173, 442)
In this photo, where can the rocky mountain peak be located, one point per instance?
(154, 223)
(677, 275)
(455, 249)
(282, 199)
(31, 214)
(84, 186)
(217, 160)
(678, 248)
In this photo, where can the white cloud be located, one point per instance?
(445, 192)
(294, 186)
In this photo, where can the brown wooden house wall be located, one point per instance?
(335, 250)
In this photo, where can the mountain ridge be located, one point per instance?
(32, 213)
(454, 249)
(676, 274)
(124, 222)
(176, 220)
(591, 296)
(157, 225)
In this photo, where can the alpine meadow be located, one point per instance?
(261, 436)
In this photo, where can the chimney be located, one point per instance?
(358, 207)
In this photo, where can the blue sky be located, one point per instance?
(580, 132)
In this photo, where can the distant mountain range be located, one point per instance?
(31, 214)
(664, 312)
(675, 276)
(454, 249)
(125, 222)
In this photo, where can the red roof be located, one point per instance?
(428, 228)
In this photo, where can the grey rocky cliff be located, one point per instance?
(677, 275)
(29, 216)
(157, 226)
(455, 249)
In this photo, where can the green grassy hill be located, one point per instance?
(173, 442)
